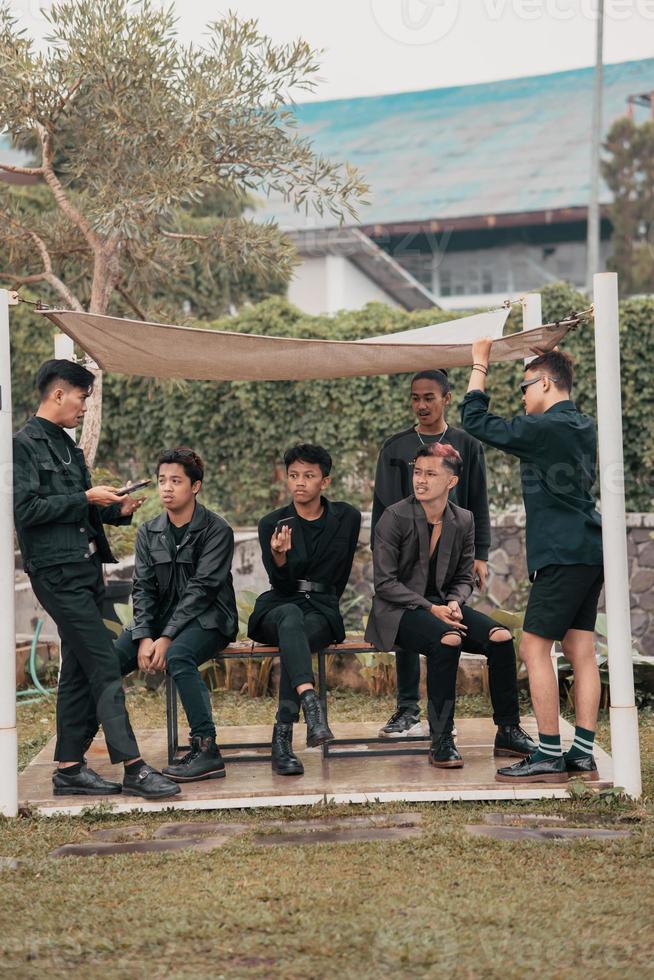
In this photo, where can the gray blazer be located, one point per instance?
(401, 565)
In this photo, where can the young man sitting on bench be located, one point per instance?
(424, 571)
(307, 548)
(184, 603)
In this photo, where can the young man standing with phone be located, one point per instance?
(557, 449)
(307, 549)
(59, 520)
(184, 603)
(431, 396)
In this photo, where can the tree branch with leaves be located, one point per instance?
(130, 129)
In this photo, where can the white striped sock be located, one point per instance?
(583, 745)
(551, 750)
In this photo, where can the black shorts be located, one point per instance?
(562, 598)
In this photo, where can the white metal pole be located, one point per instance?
(625, 746)
(532, 317)
(8, 737)
(593, 225)
(64, 349)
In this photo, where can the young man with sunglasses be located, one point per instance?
(557, 449)
(307, 548)
(431, 396)
(184, 603)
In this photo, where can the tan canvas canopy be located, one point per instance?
(157, 350)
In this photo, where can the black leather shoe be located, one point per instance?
(318, 731)
(513, 740)
(149, 784)
(84, 783)
(581, 767)
(204, 761)
(544, 771)
(284, 760)
(444, 754)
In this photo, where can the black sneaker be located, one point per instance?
(403, 722)
(149, 784)
(204, 761)
(83, 783)
(581, 767)
(444, 754)
(531, 771)
(513, 740)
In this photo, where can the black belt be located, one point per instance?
(303, 585)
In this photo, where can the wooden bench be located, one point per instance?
(256, 651)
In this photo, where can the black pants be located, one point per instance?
(298, 630)
(192, 647)
(90, 683)
(422, 632)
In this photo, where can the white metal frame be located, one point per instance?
(623, 717)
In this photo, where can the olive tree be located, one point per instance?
(130, 128)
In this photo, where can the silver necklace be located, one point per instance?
(68, 461)
(422, 441)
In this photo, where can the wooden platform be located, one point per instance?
(341, 780)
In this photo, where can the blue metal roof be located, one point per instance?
(500, 147)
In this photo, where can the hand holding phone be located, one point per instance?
(132, 487)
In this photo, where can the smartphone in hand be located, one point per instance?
(132, 487)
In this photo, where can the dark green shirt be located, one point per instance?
(557, 450)
(63, 444)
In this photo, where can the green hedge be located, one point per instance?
(241, 428)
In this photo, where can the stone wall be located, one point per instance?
(508, 585)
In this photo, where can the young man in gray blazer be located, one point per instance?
(424, 572)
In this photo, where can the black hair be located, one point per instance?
(189, 460)
(450, 456)
(557, 365)
(305, 452)
(440, 377)
(60, 369)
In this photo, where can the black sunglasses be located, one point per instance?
(525, 384)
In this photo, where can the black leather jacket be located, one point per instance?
(174, 586)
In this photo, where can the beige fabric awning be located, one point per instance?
(156, 350)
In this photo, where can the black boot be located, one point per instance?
(513, 740)
(444, 754)
(284, 760)
(318, 731)
(204, 761)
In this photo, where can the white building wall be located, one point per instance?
(330, 283)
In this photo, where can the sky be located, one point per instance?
(372, 47)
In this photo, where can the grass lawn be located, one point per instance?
(442, 902)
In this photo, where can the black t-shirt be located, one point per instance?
(177, 533)
(430, 589)
(312, 531)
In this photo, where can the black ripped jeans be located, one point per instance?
(422, 632)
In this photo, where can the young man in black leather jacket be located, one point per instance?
(184, 603)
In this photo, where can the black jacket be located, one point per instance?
(401, 565)
(330, 564)
(394, 479)
(51, 512)
(173, 586)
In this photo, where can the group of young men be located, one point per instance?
(430, 538)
